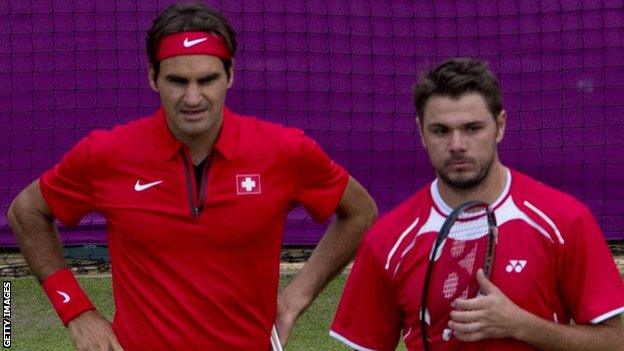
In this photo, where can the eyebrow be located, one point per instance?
(437, 125)
(204, 79)
(465, 125)
(474, 124)
(209, 77)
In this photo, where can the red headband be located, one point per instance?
(192, 43)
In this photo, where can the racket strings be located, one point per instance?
(470, 226)
(461, 254)
(450, 285)
(468, 262)
(462, 247)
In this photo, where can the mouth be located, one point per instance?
(193, 114)
(458, 163)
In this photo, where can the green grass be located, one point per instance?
(312, 329)
(35, 325)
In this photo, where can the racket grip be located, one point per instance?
(276, 344)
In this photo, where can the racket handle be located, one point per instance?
(276, 344)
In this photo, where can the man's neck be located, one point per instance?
(201, 147)
(488, 191)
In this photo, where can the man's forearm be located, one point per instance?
(332, 254)
(36, 235)
(354, 215)
(546, 335)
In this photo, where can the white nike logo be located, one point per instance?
(66, 297)
(188, 43)
(140, 187)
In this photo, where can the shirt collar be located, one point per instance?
(446, 209)
(228, 136)
(165, 140)
(226, 141)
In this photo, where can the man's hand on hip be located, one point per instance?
(90, 331)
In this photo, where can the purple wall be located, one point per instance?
(343, 72)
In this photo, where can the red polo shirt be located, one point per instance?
(194, 269)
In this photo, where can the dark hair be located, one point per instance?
(189, 17)
(456, 77)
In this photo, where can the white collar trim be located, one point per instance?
(446, 209)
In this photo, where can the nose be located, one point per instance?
(457, 142)
(192, 95)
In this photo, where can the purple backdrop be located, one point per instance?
(341, 70)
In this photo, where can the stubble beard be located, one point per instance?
(464, 185)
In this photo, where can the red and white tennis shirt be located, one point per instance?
(194, 270)
(551, 260)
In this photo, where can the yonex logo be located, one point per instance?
(515, 266)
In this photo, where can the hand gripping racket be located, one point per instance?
(465, 243)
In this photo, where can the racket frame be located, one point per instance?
(442, 235)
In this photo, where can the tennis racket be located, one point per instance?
(276, 344)
(465, 243)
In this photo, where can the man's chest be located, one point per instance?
(524, 268)
(232, 203)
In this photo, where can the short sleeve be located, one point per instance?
(368, 317)
(320, 182)
(592, 286)
(68, 187)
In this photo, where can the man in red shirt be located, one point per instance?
(551, 267)
(195, 199)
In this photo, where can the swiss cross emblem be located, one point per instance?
(248, 184)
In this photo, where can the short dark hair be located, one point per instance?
(456, 77)
(184, 17)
